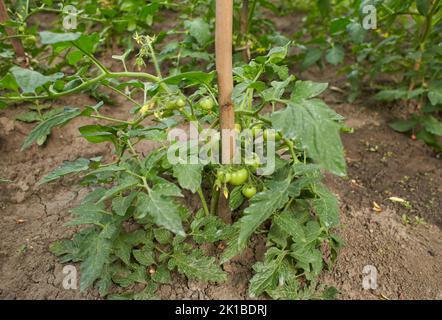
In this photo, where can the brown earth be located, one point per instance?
(381, 164)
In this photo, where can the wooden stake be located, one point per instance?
(19, 51)
(223, 50)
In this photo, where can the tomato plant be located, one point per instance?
(135, 225)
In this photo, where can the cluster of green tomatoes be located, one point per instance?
(238, 177)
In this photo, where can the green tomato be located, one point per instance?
(171, 105)
(207, 103)
(248, 191)
(223, 177)
(237, 128)
(239, 177)
(180, 102)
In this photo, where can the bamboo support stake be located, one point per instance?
(223, 50)
(19, 51)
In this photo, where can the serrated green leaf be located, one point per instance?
(122, 250)
(206, 229)
(200, 30)
(191, 77)
(287, 222)
(104, 283)
(335, 55)
(266, 277)
(308, 89)
(66, 168)
(356, 32)
(162, 275)
(277, 54)
(312, 124)
(277, 89)
(29, 80)
(163, 210)
(144, 256)
(236, 198)
(125, 184)
(149, 293)
(262, 206)
(98, 133)
(44, 128)
(48, 37)
(61, 247)
(31, 116)
(121, 204)
(307, 258)
(87, 213)
(189, 175)
(267, 273)
(195, 265)
(326, 206)
(98, 252)
(312, 56)
(163, 236)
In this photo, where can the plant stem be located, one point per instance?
(214, 201)
(134, 152)
(109, 119)
(203, 201)
(154, 60)
(122, 94)
(84, 85)
(254, 115)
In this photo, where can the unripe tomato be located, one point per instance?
(180, 102)
(248, 191)
(223, 177)
(239, 177)
(238, 128)
(207, 103)
(171, 105)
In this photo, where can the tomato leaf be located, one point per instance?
(48, 37)
(313, 124)
(66, 168)
(189, 175)
(44, 127)
(29, 80)
(195, 265)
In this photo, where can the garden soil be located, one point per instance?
(381, 164)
